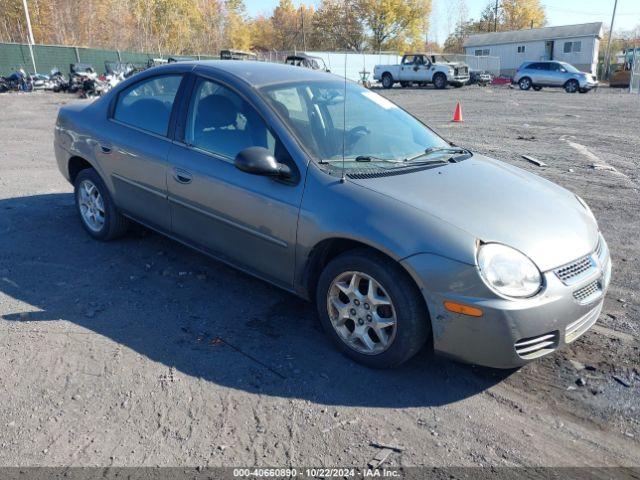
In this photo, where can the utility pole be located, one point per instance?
(30, 40)
(495, 18)
(607, 56)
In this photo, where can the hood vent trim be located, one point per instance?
(366, 175)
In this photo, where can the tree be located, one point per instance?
(521, 14)
(511, 15)
(394, 22)
(338, 26)
(237, 33)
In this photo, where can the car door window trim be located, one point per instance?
(183, 113)
(172, 115)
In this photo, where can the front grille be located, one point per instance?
(534, 347)
(589, 292)
(574, 271)
(584, 323)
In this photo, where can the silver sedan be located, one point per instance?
(335, 194)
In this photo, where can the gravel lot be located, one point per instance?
(141, 352)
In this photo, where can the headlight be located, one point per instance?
(507, 271)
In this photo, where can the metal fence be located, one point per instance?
(634, 83)
(14, 56)
(354, 66)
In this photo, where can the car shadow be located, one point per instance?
(194, 314)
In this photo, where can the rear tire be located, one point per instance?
(387, 80)
(440, 81)
(98, 214)
(403, 339)
(524, 83)
(571, 86)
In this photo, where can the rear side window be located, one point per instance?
(147, 104)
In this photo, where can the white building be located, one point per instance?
(574, 44)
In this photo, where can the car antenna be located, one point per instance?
(343, 178)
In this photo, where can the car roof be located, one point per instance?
(258, 74)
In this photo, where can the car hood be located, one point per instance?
(496, 202)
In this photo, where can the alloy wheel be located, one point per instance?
(361, 313)
(91, 206)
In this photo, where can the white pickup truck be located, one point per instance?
(421, 68)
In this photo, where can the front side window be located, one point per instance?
(147, 104)
(221, 122)
(371, 128)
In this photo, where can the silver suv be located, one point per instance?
(554, 74)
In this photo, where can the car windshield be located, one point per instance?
(569, 68)
(376, 131)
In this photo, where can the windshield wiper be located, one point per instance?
(431, 150)
(361, 158)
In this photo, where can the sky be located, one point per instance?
(559, 12)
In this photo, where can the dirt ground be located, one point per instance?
(141, 352)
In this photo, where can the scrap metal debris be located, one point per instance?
(382, 455)
(390, 446)
(603, 166)
(621, 381)
(534, 160)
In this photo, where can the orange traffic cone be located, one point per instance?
(457, 114)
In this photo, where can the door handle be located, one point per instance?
(182, 176)
(105, 149)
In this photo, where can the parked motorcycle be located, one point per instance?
(57, 81)
(18, 81)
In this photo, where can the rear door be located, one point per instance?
(556, 74)
(247, 220)
(135, 146)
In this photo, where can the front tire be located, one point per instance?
(524, 83)
(387, 80)
(440, 81)
(371, 309)
(571, 86)
(94, 204)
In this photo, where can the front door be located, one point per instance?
(136, 155)
(548, 50)
(247, 220)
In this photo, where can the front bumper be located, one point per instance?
(510, 333)
(589, 85)
(458, 79)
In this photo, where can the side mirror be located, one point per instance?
(259, 161)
